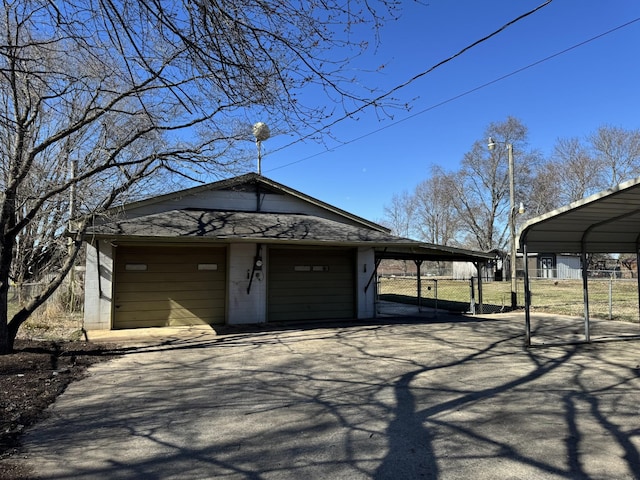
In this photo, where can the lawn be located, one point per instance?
(608, 298)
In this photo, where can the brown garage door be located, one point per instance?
(165, 286)
(311, 284)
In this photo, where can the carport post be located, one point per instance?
(585, 293)
(418, 265)
(479, 266)
(472, 298)
(638, 277)
(527, 300)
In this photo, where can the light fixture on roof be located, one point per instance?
(261, 132)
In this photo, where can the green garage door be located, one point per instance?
(311, 284)
(167, 286)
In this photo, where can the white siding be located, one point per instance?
(242, 201)
(464, 270)
(568, 267)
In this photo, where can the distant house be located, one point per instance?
(555, 265)
(242, 250)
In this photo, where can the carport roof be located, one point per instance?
(272, 228)
(607, 222)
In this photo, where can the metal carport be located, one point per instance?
(606, 222)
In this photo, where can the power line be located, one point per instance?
(456, 97)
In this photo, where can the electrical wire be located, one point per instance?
(456, 97)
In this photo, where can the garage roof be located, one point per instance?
(280, 228)
(607, 222)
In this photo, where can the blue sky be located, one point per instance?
(570, 95)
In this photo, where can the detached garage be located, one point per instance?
(239, 251)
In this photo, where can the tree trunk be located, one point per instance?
(6, 346)
(6, 341)
(14, 325)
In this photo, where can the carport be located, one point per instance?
(428, 252)
(606, 222)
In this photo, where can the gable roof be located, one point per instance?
(273, 228)
(607, 222)
(211, 225)
(247, 181)
(245, 226)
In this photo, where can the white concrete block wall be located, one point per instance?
(98, 286)
(242, 307)
(365, 269)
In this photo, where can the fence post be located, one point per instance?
(610, 297)
(472, 301)
(435, 281)
(419, 284)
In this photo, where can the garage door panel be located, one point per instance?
(148, 319)
(307, 306)
(164, 304)
(167, 270)
(151, 276)
(164, 286)
(310, 314)
(341, 298)
(311, 284)
(176, 295)
(328, 287)
(142, 286)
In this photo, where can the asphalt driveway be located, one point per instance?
(446, 398)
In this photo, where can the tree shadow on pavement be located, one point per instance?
(381, 400)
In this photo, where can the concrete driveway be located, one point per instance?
(446, 398)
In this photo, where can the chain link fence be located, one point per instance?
(61, 312)
(408, 295)
(611, 296)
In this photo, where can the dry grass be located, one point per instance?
(608, 298)
(50, 322)
(547, 295)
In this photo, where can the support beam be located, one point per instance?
(527, 300)
(585, 295)
(638, 278)
(419, 283)
(479, 266)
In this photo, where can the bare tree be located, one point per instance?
(400, 214)
(579, 168)
(98, 97)
(481, 187)
(546, 190)
(572, 173)
(436, 217)
(618, 151)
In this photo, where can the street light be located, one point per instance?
(491, 145)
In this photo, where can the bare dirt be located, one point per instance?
(31, 379)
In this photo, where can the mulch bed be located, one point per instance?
(31, 378)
